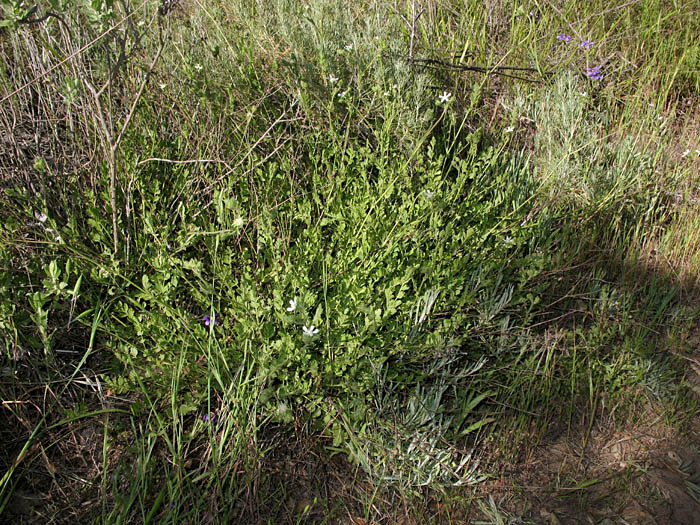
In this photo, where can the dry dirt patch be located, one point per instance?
(637, 473)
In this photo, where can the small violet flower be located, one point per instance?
(209, 418)
(594, 73)
(210, 320)
(292, 305)
(564, 37)
(587, 44)
(445, 97)
(310, 331)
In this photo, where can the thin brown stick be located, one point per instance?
(191, 161)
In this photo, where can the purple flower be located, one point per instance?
(209, 418)
(586, 44)
(564, 37)
(594, 73)
(210, 320)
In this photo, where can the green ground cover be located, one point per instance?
(413, 238)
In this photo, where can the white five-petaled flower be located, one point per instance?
(508, 240)
(429, 194)
(310, 331)
(292, 305)
(684, 155)
(41, 217)
(509, 129)
(341, 95)
(348, 47)
(162, 86)
(198, 67)
(332, 79)
(445, 97)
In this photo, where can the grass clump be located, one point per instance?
(245, 225)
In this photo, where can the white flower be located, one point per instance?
(310, 331)
(41, 217)
(508, 240)
(332, 79)
(198, 67)
(341, 95)
(141, 23)
(162, 86)
(445, 97)
(292, 305)
(429, 194)
(685, 153)
(509, 129)
(386, 93)
(348, 47)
